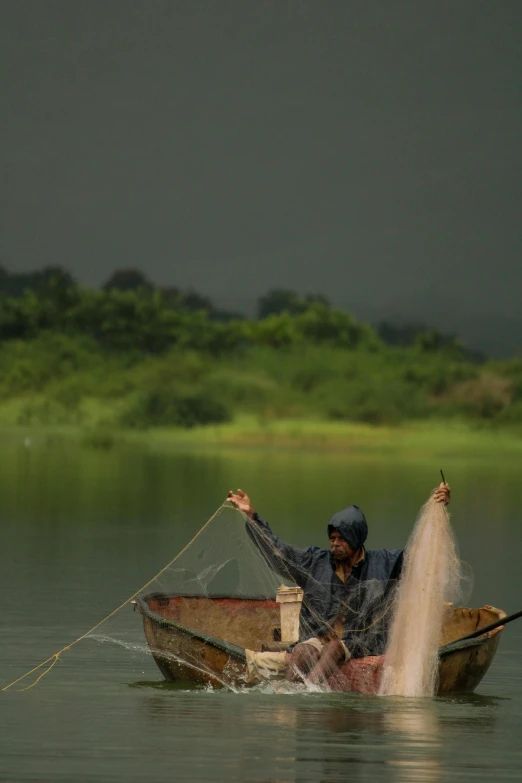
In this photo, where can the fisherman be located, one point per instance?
(347, 590)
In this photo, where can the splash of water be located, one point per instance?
(430, 579)
(146, 650)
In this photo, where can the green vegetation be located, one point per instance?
(144, 358)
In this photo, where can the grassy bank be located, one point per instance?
(409, 440)
(423, 439)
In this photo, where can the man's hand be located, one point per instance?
(241, 501)
(442, 494)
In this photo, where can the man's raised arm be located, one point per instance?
(288, 561)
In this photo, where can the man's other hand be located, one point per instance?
(241, 501)
(442, 494)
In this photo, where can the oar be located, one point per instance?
(452, 646)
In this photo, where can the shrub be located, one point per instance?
(483, 397)
(511, 414)
(50, 412)
(244, 389)
(372, 401)
(174, 408)
(27, 366)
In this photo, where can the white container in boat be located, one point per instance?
(289, 600)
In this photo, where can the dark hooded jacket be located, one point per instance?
(362, 603)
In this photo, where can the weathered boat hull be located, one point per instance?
(202, 641)
(463, 669)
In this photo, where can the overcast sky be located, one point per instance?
(368, 150)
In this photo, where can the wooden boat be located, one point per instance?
(203, 640)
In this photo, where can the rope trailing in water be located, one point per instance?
(53, 659)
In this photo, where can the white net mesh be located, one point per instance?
(431, 580)
(220, 598)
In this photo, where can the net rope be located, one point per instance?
(54, 658)
(218, 596)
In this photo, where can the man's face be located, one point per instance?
(339, 547)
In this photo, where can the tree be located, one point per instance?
(320, 299)
(16, 284)
(282, 300)
(403, 334)
(128, 280)
(194, 302)
(432, 341)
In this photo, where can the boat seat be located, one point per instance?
(274, 646)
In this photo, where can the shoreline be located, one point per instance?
(410, 440)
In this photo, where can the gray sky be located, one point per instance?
(368, 150)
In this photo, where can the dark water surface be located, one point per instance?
(82, 530)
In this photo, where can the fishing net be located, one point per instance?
(230, 609)
(431, 581)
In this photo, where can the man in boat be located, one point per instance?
(347, 590)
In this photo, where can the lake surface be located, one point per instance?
(83, 529)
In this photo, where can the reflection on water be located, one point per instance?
(81, 530)
(320, 737)
(415, 728)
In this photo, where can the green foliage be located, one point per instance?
(281, 300)
(319, 323)
(373, 404)
(164, 407)
(276, 331)
(48, 411)
(322, 324)
(368, 388)
(172, 391)
(433, 341)
(29, 366)
(512, 370)
(126, 316)
(128, 280)
(14, 284)
(511, 414)
(146, 357)
(241, 389)
(436, 374)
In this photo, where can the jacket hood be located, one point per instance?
(351, 524)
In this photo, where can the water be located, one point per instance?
(82, 530)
